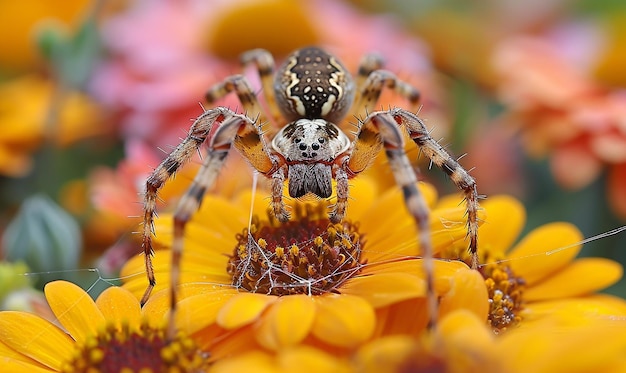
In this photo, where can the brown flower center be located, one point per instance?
(505, 289)
(306, 255)
(505, 295)
(131, 350)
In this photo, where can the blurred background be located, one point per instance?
(93, 94)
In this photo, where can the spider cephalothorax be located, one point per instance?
(307, 98)
(310, 146)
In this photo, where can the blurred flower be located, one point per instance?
(305, 358)
(28, 117)
(538, 277)
(461, 343)
(108, 335)
(561, 344)
(165, 55)
(308, 279)
(21, 19)
(551, 96)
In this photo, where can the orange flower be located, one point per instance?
(25, 122)
(564, 112)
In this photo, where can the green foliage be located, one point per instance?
(71, 57)
(43, 236)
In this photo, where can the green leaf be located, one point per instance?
(43, 236)
(72, 57)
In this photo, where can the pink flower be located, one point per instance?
(563, 112)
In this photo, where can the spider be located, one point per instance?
(311, 92)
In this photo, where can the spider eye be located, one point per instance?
(320, 140)
(297, 140)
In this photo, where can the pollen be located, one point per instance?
(306, 255)
(142, 349)
(505, 288)
(505, 295)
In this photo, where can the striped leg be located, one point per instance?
(442, 159)
(240, 85)
(369, 63)
(264, 63)
(380, 127)
(219, 128)
(370, 82)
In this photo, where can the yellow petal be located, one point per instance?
(504, 222)
(156, 308)
(390, 209)
(343, 320)
(7, 354)
(587, 348)
(74, 308)
(36, 338)
(465, 327)
(242, 309)
(467, 344)
(363, 193)
(468, 292)
(287, 322)
(255, 361)
(589, 310)
(118, 306)
(311, 360)
(9, 365)
(581, 277)
(388, 354)
(197, 312)
(443, 270)
(385, 288)
(158, 304)
(409, 317)
(544, 251)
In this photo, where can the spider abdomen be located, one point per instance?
(313, 84)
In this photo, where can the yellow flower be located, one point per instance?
(538, 276)
(111, 334)
(309, 280)
(24, 118)
(461, 343)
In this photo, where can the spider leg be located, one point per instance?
(381, 129)
(264, 63)
(368, 64)
(239, 84)
(441, 158)
(369, 89)
(219, 128)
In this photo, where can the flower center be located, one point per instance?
(306, 255)
(130, 350)
(505, 295)
(505, 289)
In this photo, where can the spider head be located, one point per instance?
(310, 146)
(313, 84)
